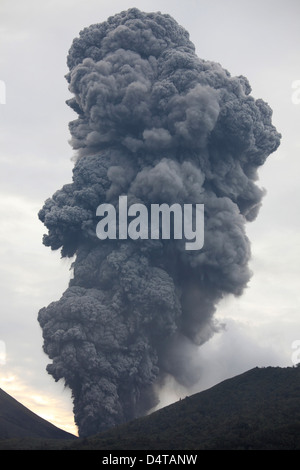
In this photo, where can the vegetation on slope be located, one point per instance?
(259, 409)
(17, 421)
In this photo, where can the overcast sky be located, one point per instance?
(259, 39)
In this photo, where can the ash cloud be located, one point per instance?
(160, 125)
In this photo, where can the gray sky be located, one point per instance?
(259, 39)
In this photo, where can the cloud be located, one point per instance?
(161, 125)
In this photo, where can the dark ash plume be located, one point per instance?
(158, 124)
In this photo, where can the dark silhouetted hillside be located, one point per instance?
(259, 409)
(17, 421)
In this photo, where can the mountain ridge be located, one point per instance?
(18, 421)
(258, 409)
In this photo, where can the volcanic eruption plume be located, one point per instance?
(160, 125)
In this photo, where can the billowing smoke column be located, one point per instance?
(160, 125)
